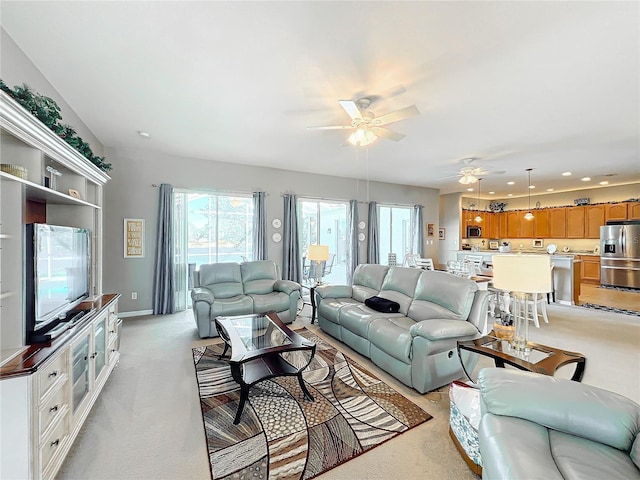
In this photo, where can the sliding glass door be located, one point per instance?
(395, 227)
(324, 223)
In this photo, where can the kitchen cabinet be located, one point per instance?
(557, 222)
(633, 211)
(542, 227)
(513, 224)
(594, 219)
(575, 222)
(494, 225)
(615, 211)
(502, 225)
(590, 270)
(527, 226)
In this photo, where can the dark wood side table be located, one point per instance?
(541, 359)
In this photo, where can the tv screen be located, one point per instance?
(58, 276)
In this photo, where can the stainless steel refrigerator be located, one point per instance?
(620, 254)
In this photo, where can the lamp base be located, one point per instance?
(520, 340)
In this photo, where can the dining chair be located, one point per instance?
(425, 263)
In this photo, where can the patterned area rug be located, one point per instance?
(283, 436)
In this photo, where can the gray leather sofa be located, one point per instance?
(417, 345)
(223, 289)
(539, 427)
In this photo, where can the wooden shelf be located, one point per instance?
(38, 193)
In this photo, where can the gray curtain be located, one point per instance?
(163, 282)
(182, 276)
(291, 268)
(352, 240)
(373, 248)
(418, 231)
(259, 226)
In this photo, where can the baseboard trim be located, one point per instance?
(135, 313)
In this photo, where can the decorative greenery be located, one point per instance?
(47, 111)
(497, 206)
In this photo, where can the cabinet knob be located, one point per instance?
(53, 374)
(55, 443)
(53, 409)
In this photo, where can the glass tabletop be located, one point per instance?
(258, 332)
(534, 355)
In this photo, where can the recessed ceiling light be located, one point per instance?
(491, 193)
(604, 182)
(469, 189)
(586, 179)
(143, 134)
(532, 186)
(510, 183)
(549, 189)
(510, 195)
(566, 174)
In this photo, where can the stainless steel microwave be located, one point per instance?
(474, 232)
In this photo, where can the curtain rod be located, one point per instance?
(214, 190)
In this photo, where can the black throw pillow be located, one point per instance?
(383, 305)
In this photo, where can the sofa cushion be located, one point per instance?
(357, 317)
(391, 335)
(238, 305)
(367, 280)
(258, 277)
(400, 285)
(442, 295)
(223, 279)
(380, 304)
(276, 301)
(329, 308)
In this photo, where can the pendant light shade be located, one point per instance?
(529, 215)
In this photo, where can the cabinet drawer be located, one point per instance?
(52, 373)
(53, 444)
(53, 408)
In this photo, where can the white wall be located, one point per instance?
(450, 220)
(130, 194)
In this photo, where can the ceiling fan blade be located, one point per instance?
(398, 115)
(351, 108)
(332, 127)
(490, 172)
(388, 134)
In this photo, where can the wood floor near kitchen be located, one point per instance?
(611, 298)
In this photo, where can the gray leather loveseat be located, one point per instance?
(539, 427)
(417, 345)
(223, 289)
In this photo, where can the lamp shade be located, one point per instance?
(320, 253)
(522, 273)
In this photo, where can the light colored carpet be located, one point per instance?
(147, 422)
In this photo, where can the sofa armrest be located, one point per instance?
(479, 310)
(563, 405)
(441, 329)
(334, 291)
(202, 294)
(286, 286)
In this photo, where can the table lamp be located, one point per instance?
(318, 254)
(524, 276)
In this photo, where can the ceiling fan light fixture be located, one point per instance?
(467, 178)
(362, 137)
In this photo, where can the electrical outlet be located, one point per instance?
(134, 295)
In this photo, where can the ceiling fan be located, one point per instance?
(470, 173)
(367, 126)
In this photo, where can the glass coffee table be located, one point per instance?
(257, 344)
(541, 359)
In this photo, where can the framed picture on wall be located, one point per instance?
(430, 227)
(133, 238)
(441, 233)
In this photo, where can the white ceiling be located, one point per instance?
(554, 86)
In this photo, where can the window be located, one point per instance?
(325, 223)
(395, 232)
(219, 228)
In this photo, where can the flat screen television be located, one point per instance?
(58, 263)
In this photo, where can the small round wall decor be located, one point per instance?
(361, 225)
(276, 237)
(361, 237)
(276, 223)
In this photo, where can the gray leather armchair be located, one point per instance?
(539, 427)
(224, 289)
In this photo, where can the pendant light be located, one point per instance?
(478, 217)
(529, 215)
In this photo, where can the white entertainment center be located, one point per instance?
(47, 390)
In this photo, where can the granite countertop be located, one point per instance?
(542, 251)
